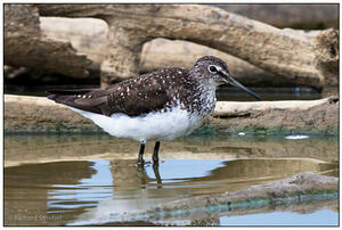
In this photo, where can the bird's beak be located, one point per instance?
(230, 80)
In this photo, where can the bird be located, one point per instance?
(158, 106)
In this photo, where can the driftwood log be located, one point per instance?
(88, 36)
(130, 26)
(283, 52)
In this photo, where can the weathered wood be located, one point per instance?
(327, 59)
(26, 46)
(292, 55)
(160, 53)
(88, 36)
(275, 50)
(233, 109)
(309, 16)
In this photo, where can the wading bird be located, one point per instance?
(161, 105)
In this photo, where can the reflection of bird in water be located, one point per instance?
(131, 177)
(133, 189)
(161, 105)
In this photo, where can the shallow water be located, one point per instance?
(86, 179)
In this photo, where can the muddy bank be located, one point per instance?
(299, 189)
(40, 115)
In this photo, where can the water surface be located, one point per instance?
(86, 179)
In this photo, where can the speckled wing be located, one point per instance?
(133, 97)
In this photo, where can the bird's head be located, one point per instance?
(217, 71)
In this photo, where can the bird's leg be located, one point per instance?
(141, 153)
(156, 174)
(155, 157)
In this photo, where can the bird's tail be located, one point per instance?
(85, 99)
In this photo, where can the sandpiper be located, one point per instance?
(161, 105)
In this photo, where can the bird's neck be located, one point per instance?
(206, 96)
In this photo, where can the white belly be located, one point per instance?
(152, 126)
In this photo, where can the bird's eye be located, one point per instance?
(212, 69)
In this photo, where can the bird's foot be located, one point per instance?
(143, 163)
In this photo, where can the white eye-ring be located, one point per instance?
(213, 68)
